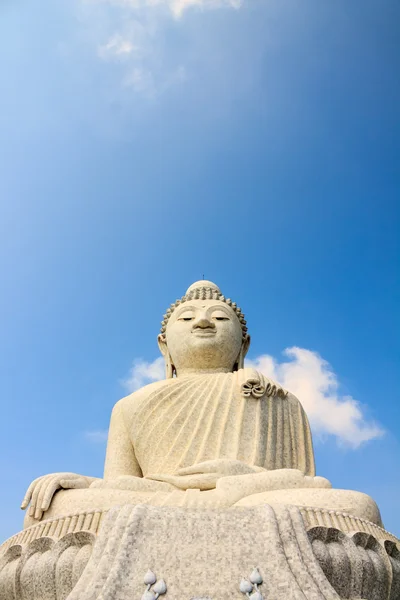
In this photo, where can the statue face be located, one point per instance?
(204, 334)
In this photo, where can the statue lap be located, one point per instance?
(231, 492)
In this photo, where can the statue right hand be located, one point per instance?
(41, 491)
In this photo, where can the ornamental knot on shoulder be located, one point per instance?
(259, 386)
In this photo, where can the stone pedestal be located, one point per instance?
(143, 552)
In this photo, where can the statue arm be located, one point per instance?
(120, 455)
(301, 437)
(120, 461)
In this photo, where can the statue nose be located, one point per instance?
(203, 322)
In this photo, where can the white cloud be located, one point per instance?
(132, 33)
(176, 7)
(142, 373)
(141, 80)
(310, 378)
(97, 436)
(116, 46)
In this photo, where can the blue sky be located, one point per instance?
(146, 144)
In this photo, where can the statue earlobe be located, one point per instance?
(169, 367)
(243, 351)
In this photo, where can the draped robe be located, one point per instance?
(239, 439)
(253, 428)
(198, 418)
(239, 434)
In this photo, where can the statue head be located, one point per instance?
(203, 332)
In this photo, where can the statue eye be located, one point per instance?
(186, 317)
(220, 316)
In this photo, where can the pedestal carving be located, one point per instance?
(144, 552)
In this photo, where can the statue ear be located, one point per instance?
(246, 345)
(243, 351)
(162, 344)
(169, 367)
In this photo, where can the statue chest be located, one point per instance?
(202, 420)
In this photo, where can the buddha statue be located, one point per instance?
(213, 434)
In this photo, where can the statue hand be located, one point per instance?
(204, 475)
(278, 479)
(219, 467)
(41, 491)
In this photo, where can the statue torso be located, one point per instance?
(185, 421)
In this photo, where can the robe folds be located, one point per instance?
(199, 418)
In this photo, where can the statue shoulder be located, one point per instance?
(127, 403)
(292, 398)
(259, 384)
(254, 383)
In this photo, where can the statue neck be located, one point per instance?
(192, 371)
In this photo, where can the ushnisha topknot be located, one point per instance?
(203, 290)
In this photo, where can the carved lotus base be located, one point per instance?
(144, 553)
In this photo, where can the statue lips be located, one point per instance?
(204, 331)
